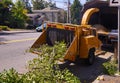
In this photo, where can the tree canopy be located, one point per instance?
(75, 12)
(12, 15)
(5, 14)
(41, 4)
(19, 14)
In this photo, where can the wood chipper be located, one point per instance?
(82, 40)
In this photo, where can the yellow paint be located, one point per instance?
(72, 50)
(41, 40)
(87, 43)
(83, 40)
(87, 15)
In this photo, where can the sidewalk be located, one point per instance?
(107, 79)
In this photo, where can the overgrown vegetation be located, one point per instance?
(110, 67)
(43, 69)
(6, 28)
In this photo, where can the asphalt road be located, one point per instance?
(14, 46)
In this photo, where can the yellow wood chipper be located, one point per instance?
(82, 40)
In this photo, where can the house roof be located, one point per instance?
(48, 9)
(51, 8)
(32, 15)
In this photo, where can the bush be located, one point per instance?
(11, 76)
(6, 28)
(46, 65)
(110, 67)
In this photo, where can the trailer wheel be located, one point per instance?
(91, 56)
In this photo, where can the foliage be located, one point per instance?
(41, 4)
(76, 12)
(43, 69)
(5, 14)
(110, 67)
(4, 28)
(38, 4)
(27, 5)
(12, 15)
(11, 76)
(46, 64)
(19, 15)
(50, 4)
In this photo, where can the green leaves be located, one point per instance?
(10, 76)
(5, 14)
(76, 12)
(110, 67)
(43, 69)
(19, 15)
(41, 4)
(12, 15)
(46, 64)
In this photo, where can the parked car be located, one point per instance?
(41, 27)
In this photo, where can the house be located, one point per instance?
(32, 20)
(52, 14)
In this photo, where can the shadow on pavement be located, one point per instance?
(86, 73)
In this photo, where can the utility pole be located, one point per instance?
(116, 3)
(118, 38)
(68, 12)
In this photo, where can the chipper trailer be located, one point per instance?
(81, 40)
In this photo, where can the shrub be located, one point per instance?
(110, 67)
(47, 67)
(11, 76)
(4, 28)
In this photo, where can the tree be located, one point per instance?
(27, 5)
(50, 4)
(75, 12)
(18, 15)
(38, 4)
(41, 4)
(5, 14)
(12, 15)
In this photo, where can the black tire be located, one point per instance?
(91, 56)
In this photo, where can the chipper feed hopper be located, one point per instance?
(82, 40)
